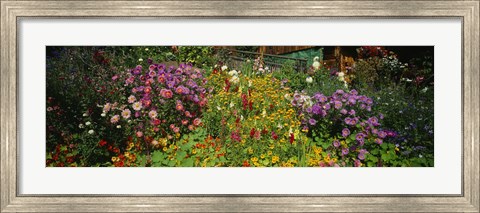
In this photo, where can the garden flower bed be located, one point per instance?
(124, 106)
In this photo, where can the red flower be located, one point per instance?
(102, 143)
(116, 150)
(292, 138)
(252, 132)
(274, 135)
(264, 131)
(246, 164)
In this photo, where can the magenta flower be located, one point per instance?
(345, 132)
(166, 93)
(382, 134)
(344, 151)
(179, 107)
(197, 122)
(337, 104)
(336, 143)
(360, 137)
(357, 163)
(152, 73)
(176, 129)
(182, 90)
(161, 79)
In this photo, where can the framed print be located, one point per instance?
(219, 106)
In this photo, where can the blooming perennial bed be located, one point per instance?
(159, 115)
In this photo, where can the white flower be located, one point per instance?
(233, 73)
(341, 74)
(103, 114)
(88, 123)
(152, 114)
(280, 126)
(107, 107)
(232, 104)
(140, 59)
(91, 132)
(264, 113)
(234, 79)
(241, 117)
(309, 79)
(137, 106)
(80, 126)
(249, 83)
(131, 99)
(224, 67)
(219, 108)
(146, 49)
(85, 114)
(424, 90)
(118, 126)
(126, 113)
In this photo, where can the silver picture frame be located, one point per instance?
(12, 11)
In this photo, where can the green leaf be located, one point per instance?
(172, 163)
(187, 162)
(181, 155)
(385, 157)
(157, 156)
(165, 161)
(186, 146)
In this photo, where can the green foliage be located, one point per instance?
(199, 56)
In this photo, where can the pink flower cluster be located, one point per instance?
(167, 100)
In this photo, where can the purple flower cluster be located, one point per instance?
(347, 117)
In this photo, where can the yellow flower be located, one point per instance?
(165, 149)
(250, 150)
(254, 159)
(275, 159)
(114, 159)
(262, 156)
(194, 151)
